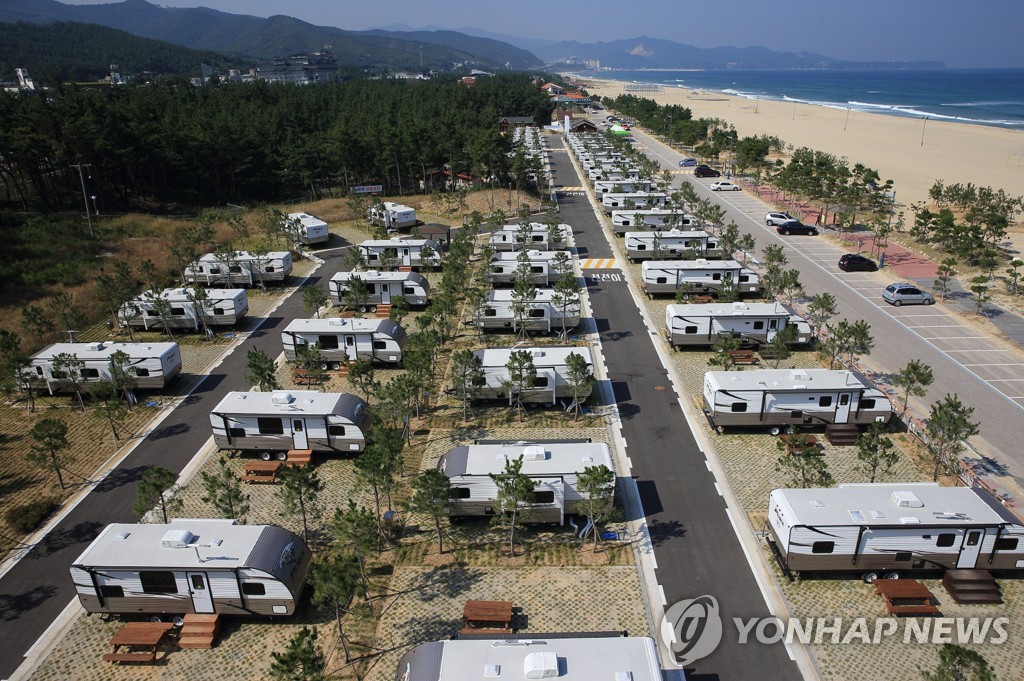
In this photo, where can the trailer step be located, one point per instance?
(299, 457)
(841, 434)
(199, 631)
(972, 586)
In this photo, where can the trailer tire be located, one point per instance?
(891, 575)
(282, 456)
(870, 577)
(266, 456)
(775, 430)
(178, 621)
(156, 618)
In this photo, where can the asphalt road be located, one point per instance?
(695, 546)
(961, 358)
(35, 591)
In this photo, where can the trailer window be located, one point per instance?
(152, 313)
(270, 426)
(540, 382)
(380, 345)
(111, 591)
(738, 407)
(177, 311)
(254, 589)
(758, 325)
(327, 342)
(236, 269)
(459, 493)
(661, 280)
(716, 276)
(544, 497)
(490, 312)
(824, 401)
(743, 278)
(409, 291)
(690, 329)
(269, 268)
(823, 547)
(867, 404)
(218, 310)
(141, 372)
(90, 373)
(903, 556)
(338, 431)
(536, 269)
(537, 314)
(945, 540)
(236, 432)
(158, 582)
(641, 247)
(1006, 544)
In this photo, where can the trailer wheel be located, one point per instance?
(892, 575)
(265, 456)
(282, 456)
(870, 577)
(775, 430)
(156, 618)
(178, 621)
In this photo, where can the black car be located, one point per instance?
(796, 227)
(705, 171)
(851, 262)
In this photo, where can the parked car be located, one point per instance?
(906, 294)
(777, 218)
(795, 227)
(688, 163)
(705, 171)
(724, 186)
(851, 262)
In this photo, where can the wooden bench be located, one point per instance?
(130, 657)
(703, 300)
(262, 478)
(743, 357)
(898, 610)
(303, 375)
(483, 632)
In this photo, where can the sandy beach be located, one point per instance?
(952, 152)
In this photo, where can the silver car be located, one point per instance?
(906, 294)
(774, 219)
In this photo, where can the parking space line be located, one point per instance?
(1013, 364)
(940, 338)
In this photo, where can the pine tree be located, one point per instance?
(515, 491)
(224, 492)
(158, 489)
(49, 447)
(299, 495)
(432, 497)
(876, 453)
(302, 660)
(596, 485)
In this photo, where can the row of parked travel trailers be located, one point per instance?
(754, 324)
(154, 365)
(241, 268)
(186, 308)
(536, 236)
(702, 275)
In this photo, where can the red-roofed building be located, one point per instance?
(552, 89)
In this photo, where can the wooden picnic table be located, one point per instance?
(799, 442)
(261, 471)
(906, 597)
(487, 617)
(134, 636)
(743, 357)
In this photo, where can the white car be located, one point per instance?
(775, 219)
(724, 186)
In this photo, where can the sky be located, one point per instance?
(960, 33)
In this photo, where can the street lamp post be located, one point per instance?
(85, 198)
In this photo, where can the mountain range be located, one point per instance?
(402, 47)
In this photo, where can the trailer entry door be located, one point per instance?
(973, 539)
(299, 438)
(385, 293)
(350, 347)
(843, 408)
(199, 587)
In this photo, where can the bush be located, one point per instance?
(26, 518)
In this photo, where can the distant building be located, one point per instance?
(506, 122)
(552, 89)
(315, 67)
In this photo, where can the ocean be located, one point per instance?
(977, 96)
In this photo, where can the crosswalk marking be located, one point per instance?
(681, 172)
(598, 264)
(569, 189)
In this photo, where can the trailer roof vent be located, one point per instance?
(281, 398)
(337, 321)
(740, 306)
(94, 346)
(372, 273)
(877, 515)
(701, 262)
(534, 453)
(799, 375)
(906, 499)
(538, 353)
(121, 536)
(216, 542)
(492, 671)
(588, 459)
(910, 520)
(241, 396)
(540, 666)
(177, 539)
(624, 676)
(817, 503)
(799, 386)
(857, 516)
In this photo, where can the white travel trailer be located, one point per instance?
(613, 173)
(620, 187)
(192, 566)
(752, 323)
(777, 398)
(542, 315)
(391, 215)
(582, 657)
(632, 220)
(385, 253)
(242, 268)
(154, 365)
(312, 230)
(277, 421)
(889, 529)
(640, 201)
(550, 385)
(539, 237)
(672, 244)
(705, 276)
(503, 267)
(383, 287)
(222, 307)
(553, 466)
(343, 340)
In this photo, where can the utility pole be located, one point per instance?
(85, 197)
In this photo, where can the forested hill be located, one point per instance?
(207, 29)
(167, 143)
(61, 52)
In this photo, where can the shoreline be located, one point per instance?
(913, 152)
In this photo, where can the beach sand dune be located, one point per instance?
(912, 152)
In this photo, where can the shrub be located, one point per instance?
(27, 517)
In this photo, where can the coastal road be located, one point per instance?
(695, 545)
(986, 373)
(35, 591)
